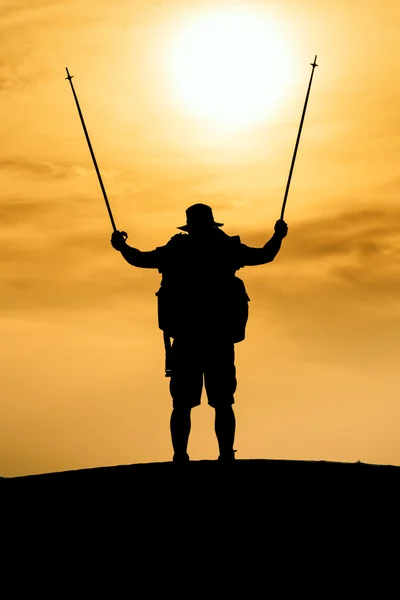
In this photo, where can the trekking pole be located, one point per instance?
(314, 64)
(92, 153)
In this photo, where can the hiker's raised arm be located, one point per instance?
(145, 260)
(260, 256)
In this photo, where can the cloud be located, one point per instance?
(12, 7)
(64, 270)
(41, 168)
(338, 259)
(333, 289)
(367, 233)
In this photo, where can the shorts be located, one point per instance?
(211, 362)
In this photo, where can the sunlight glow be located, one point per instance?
(230, 67)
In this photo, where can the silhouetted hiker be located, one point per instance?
(203, 306)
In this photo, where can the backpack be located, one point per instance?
(173, 321)
(226, 293)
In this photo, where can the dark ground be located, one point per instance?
(212, 518)
(247, 489)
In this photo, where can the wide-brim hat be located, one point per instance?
(199, 215)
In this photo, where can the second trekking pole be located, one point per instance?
(314, 64)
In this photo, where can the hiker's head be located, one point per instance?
(199, 219)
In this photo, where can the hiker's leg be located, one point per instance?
(220, 383)
(185, 387)
(180, 429)
(225, 426)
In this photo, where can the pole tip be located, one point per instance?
(314, 64)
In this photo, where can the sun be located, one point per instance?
(230, 67)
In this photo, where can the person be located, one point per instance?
(203, 307)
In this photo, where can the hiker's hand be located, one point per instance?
(281, 229)
(118, 239)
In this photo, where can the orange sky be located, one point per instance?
(81, 356)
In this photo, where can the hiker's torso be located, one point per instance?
(199, 287)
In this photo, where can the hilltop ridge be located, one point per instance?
(165, 518)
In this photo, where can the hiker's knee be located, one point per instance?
(181, 411)
(223, 411)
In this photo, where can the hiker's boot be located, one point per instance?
(227, 457)
(181, 458)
